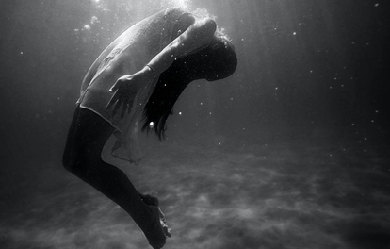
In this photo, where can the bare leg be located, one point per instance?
(82, 157)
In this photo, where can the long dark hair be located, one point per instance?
(216, 61)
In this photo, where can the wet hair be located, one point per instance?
(216, 61)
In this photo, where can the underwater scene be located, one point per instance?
(281, 143)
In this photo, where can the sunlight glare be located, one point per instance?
(179, 3)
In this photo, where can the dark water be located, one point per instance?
(290, 152)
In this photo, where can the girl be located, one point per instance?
(143, 71)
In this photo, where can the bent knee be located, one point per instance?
(69, 164)
(74, 162)
(80, 162)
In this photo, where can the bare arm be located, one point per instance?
(127, 87)
(197, 35)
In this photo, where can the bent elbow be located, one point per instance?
(203, 29)
(210, 26)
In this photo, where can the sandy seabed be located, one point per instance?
(218, 194)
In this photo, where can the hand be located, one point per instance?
(126, 89)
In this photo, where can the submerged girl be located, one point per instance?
(142, 72)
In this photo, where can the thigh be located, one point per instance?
(87, 135)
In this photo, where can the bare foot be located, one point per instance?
(157, 232)
(153, 201)
(163, 222)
